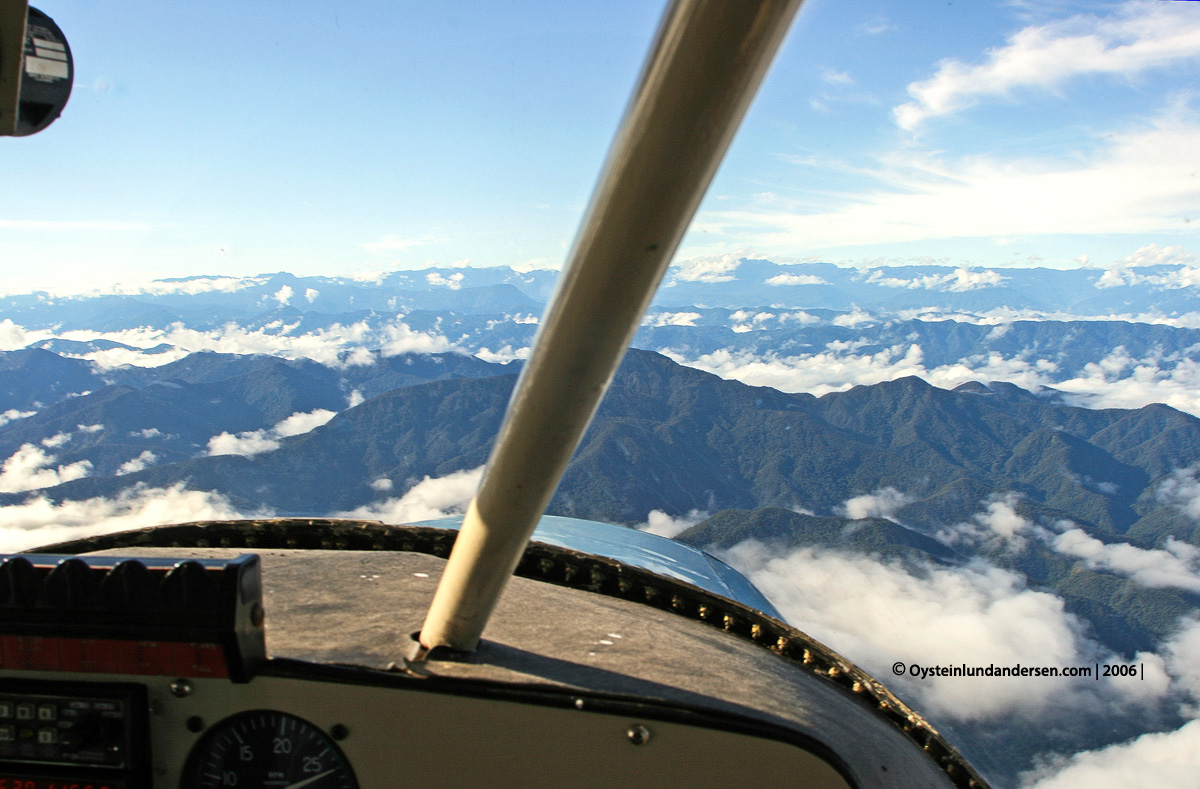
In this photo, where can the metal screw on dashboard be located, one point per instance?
(638, 734)
(181, 688)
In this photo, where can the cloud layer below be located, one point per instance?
(38, 521)
(1116, 381)
(432, 497)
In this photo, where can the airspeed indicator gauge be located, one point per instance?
(267, 749)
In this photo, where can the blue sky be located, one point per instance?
(335, 138)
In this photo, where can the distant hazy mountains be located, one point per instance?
(797, 327)
(175, 409)
(727, 282)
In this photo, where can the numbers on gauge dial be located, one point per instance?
(267, 749)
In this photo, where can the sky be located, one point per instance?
(333, 138)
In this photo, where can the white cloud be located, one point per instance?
(38, 521)
(960, 280)
(310, 294)
(712, 269)
(836, 77)
(819, 373)
(248, 444)
(372, 276)
(257, 442)
(998, 521)
(30, 468)
(336, 346)
(1151, 761)
(57, 440)
(743, 321)
(1121, 381)
(358, 357)
(13, 336)
(453, 282)
(1136, 37)
(300, 422)
(150, 432)
(882, 503)
(381, 484)
(1133, 180)
(1116, 381)
(1185, 272)
(134, 465)
(662, 524)
(189, 286)
(1182, 658)
(657, 319)
(998, 316)
(878, 614)
(1182, 489)
(856, 317)
(1001, 517)
(799, 316)
(430, 498)
(109, 358)
(795, 279)
(89, 428)
(1154, 255)
(400, 338)
(13, 414)
(355, 398)
(323, 346)
(537, 264)
(976, 615)
(1176, 565)
(503, 355)
(284, 295)
(874, 27)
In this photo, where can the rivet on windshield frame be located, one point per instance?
(181, 688)
(638, 734)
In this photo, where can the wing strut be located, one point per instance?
(706, 63)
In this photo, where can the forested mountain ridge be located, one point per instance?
(672, 438)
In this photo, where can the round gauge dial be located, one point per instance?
(271, 750)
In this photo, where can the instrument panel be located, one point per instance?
(289, 732)
(130, 673)
(268, 748)
(56, 735)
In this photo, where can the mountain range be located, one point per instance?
(675, 439)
